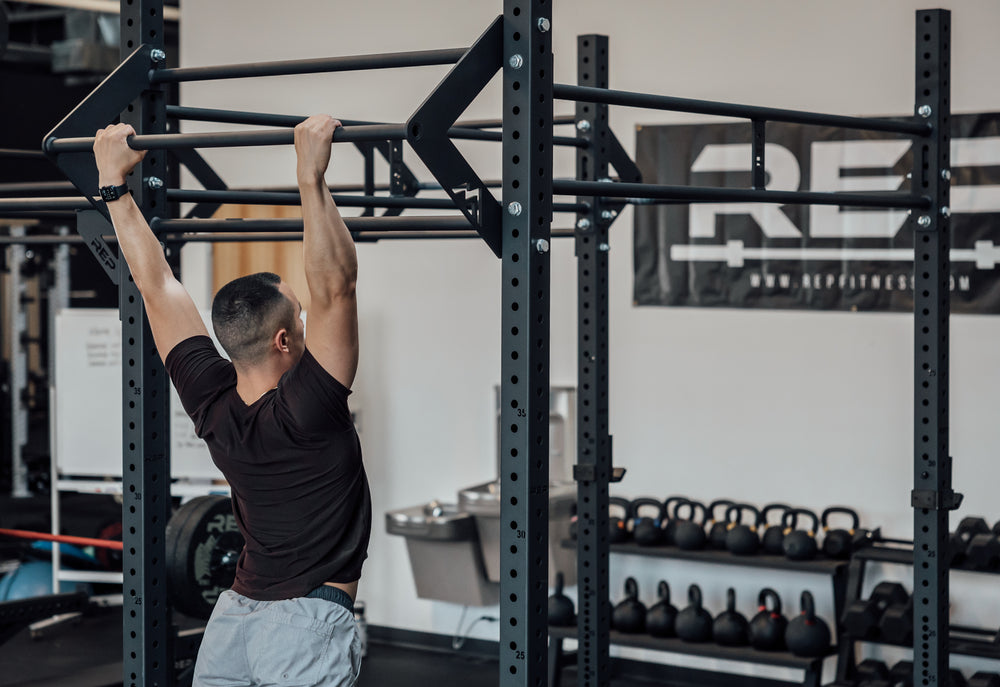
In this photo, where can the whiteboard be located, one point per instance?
(88, 402)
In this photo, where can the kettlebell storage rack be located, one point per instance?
(812, 667)
(966, 641)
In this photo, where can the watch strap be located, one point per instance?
(110, 193)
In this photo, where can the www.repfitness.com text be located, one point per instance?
(830, 280)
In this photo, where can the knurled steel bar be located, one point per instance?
(42, 204)
(915, 127)
(291, 198)
(28, 187)
(524, 413)
(231, 139)
(148, 629)
(258, 237)
(903, 199)
(414, 223)
(593, 440)
(932, 495)
(416, 58)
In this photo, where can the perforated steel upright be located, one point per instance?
(145, 428)
(594, 444)
(524, 453)
(933, 496)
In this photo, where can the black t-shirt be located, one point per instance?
(293, 462)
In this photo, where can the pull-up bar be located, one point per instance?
(417, 58)
(739, 195)
(607, 96)
(227, 139)
(471, 130)
(412, 224)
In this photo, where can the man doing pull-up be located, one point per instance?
(277, 424)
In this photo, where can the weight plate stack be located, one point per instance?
(203, 545)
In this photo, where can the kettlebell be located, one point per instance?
(618, 526)
(800, 545)
(645, 530)
(629, 616)
(767, 628)
(690, 533)
(742, 539)
(730, 628)
(561, 611)
(668, 519)
(661, 616)
(773, 535)
(694, 624)
(839, 543)
(716, 525)
(807, 635)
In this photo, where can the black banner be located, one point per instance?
(756, 255)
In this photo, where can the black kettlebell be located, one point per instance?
(694, 623)
(807, 635)
(646, 530)
(661, 616)
(800, 545)
(561, 611)
(839, 543)
(716, 525)
(773, 535)
(629, 616)
(767, 628)
(730, 628)
(742, 539)
(618, 526)
(690, 533)
(668, 519)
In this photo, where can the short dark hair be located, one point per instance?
(247, 312)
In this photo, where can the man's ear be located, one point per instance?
(281, 340)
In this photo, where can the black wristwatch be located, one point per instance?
(110, 193)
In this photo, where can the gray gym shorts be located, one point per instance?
(287, 643)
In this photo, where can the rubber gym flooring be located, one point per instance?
(87, 653)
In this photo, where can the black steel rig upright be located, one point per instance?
(147, 659)
(593, 472)
(932, 495)
(524, 467)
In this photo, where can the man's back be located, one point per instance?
(293, 461)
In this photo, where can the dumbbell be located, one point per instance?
(984, 679)
(959, 540)
(861, 617)
(896, 624)
(983, 552)
(901, 674)
(872, 673)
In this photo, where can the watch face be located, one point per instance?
(109, 193)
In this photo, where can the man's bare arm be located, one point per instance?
(173, 316)
(331, 261)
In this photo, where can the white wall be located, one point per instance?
(813, 408)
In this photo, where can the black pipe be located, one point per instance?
(497, 123)
(417, 58)
(258, 237)
(23, 187)
(709, 107)
(226, 139)
(41, 204)
(446, 223)
(738, 195)
(17, 153)
(472, 130)
(293, 198)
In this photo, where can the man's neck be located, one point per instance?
(252, 383)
